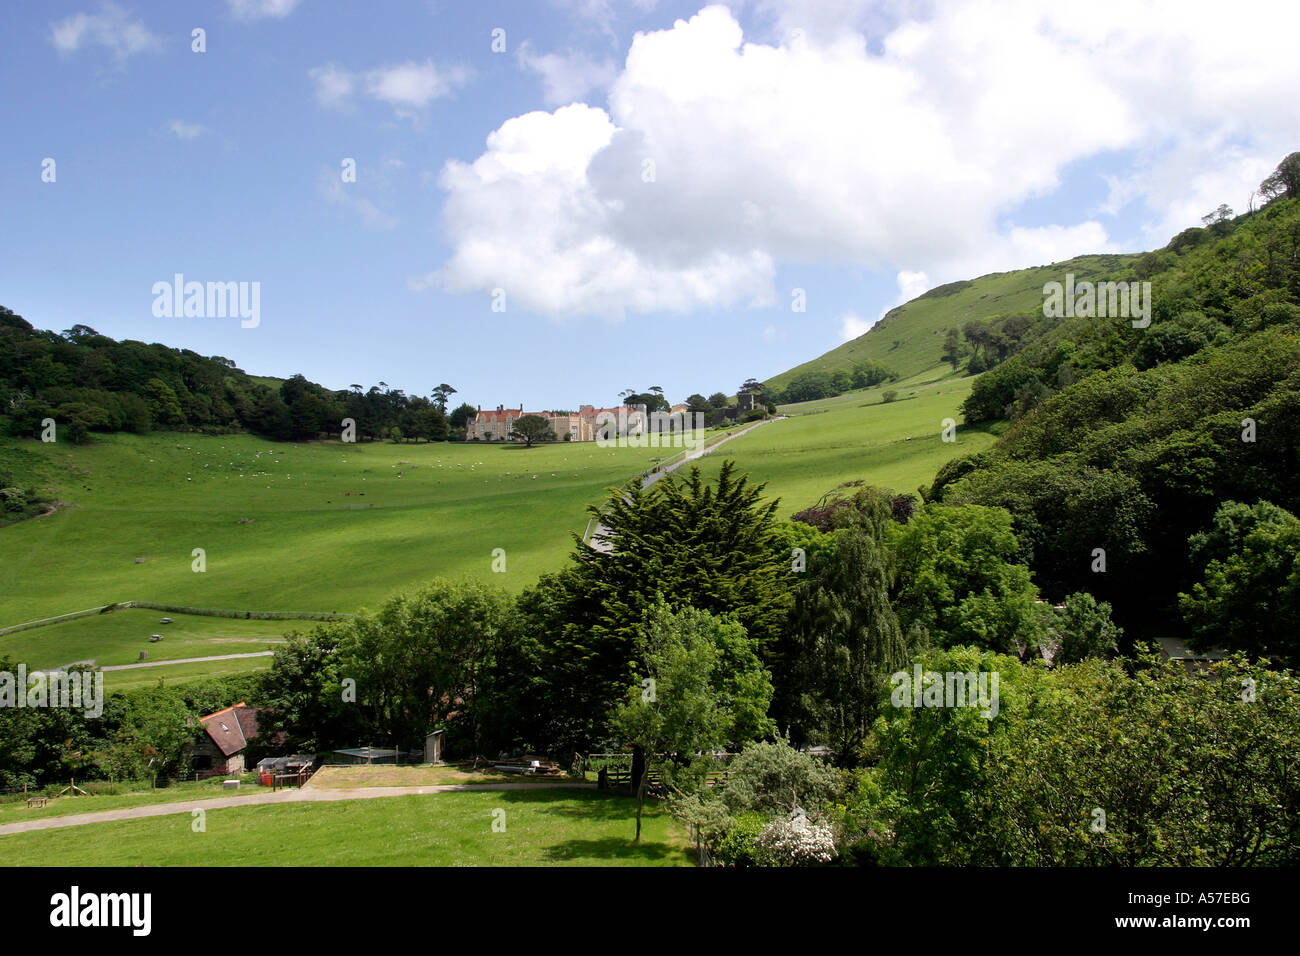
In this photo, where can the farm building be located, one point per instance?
(221, 749)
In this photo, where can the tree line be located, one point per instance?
(87, 382)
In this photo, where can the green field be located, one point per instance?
(334, 527)
(119, 636)
(909, 339)
(542, 828)
(857, 436)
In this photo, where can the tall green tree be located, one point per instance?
(698, 685)
(958, 580)
(440, 396)
(714, 547)
(848, 640)
(420, 658)
(1248, 597)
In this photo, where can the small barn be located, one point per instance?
(227, 735)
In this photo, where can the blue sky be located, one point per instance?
(862, 152)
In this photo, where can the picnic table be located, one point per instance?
(37, 802)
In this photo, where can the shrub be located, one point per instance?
(795, 841)
(774, 777)
(740, 847)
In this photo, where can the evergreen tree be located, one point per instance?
(689, 543)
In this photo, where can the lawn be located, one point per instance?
(169, 673)
(541, 828)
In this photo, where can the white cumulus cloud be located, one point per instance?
(909, 151)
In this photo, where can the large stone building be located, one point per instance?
(582, 425)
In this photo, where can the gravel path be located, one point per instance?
(279, 796)
(186, 660)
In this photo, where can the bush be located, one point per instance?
(776, 778)
(889, 395)
(740, 846)
(795, 841)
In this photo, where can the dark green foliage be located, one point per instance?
(459, 418)
(88, 383)
(1135, 462)
(42, 745)
(1248, 595)
(816, 385)
(530, 429)
(952, 348)
(416, 664)
(958, 580)
(712, 547)
(1086, 765)
(846, 642)
(772, 777)
(1084, 629)
(863, 507)
(1283, 181)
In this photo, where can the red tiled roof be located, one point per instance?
(232, 727)
(495, 416)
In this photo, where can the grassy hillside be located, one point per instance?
(321, 527)
(333, 527)
(857, 436)
(337, 527)
(909, 339)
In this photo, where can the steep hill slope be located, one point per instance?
(909, 339)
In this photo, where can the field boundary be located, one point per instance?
(179, 609)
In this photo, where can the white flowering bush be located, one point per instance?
(796, 841)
